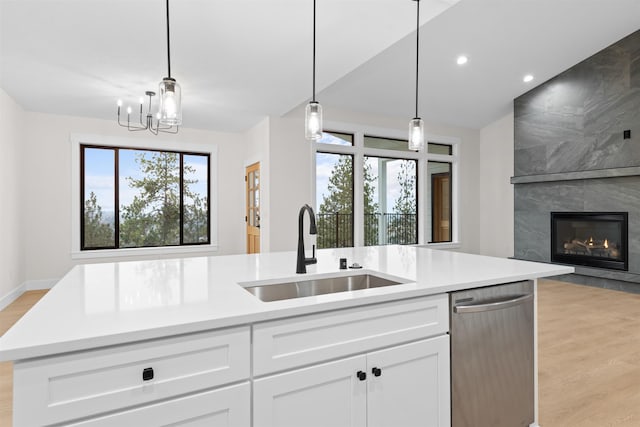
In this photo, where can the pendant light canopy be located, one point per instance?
(313, 112)
(169, 115)
(416, 125)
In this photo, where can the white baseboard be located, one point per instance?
(29, 285)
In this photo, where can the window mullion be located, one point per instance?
(116, 202)
(181, 199)
(358, 190)
(82, 196)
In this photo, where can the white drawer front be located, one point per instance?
(62, 388)
(288, 343)
(224, 407)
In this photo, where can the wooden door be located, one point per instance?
(441, 207)
(412, 386)
(325, 395)
(252, 219)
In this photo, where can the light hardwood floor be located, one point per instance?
(589, 356)
(8, 317)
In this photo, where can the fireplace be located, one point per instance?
(593, 239)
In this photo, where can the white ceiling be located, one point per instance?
(239, 60)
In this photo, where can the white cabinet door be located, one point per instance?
(412, 387)
(325, 395)
(223, 407)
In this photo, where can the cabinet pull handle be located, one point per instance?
(147, 374)
(376, 372)
(361, 375)
(493, 305)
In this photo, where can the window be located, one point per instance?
(390, 201)
(336, 138)
(386, 143)
(334, 199)
(136, 198)
(373, 190)
(433, 148)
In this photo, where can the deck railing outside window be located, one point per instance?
(336, 230)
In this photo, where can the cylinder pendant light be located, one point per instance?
(313, 112)
(170, 110)
(416, 125)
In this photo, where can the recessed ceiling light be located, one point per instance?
(462, 60)
(527, 78)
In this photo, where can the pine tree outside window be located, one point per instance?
(372, 190)
(392, 216)
(137, 198)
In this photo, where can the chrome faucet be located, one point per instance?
(302, 261)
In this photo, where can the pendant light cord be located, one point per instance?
(168, 44)
(313, 97)
(417, 50)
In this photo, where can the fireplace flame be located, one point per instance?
(606, 244)
(590, 242)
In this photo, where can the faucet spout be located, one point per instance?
(302, 262)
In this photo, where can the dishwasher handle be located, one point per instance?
(493, 305)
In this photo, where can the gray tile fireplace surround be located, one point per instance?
(571, 155)
(535, 201)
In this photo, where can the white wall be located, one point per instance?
(290, 181)
(47, 187)
(496, 191)
(292, 164)
(40, 154)
(12, 243)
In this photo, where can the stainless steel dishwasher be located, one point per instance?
(492, 353)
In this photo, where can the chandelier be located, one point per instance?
(168, 118)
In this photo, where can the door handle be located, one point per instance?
(492, 305)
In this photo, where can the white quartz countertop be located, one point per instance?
(98, 305)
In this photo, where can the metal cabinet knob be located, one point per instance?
(147, 374)
(361, 375)
(376, 372)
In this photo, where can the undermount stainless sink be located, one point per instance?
(307, 288)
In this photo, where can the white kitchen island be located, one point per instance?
(181, 342)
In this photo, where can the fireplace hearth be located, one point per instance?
(592, 239)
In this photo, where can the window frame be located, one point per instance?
(396, 157)
(353, 186)
(116, 171)
(359, 151)
(100, 141)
